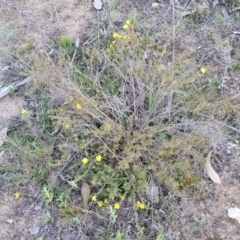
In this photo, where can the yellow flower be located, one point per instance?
(17, 195)
(128, 22)
(203, 70)
(117, 206)
(116, 35)
(105, 201)
(126, 36)
(67, 126)
(141, 205)
(78, 106)
(113, 42)
(24, 111)
(98, 158)
(100, 203)
(94, 198)
(84, 161)
(125, 26)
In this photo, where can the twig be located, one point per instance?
(228, 126)
(235, 9)
(75, 50)
(4, 91)
(234, 32)
(221, 123)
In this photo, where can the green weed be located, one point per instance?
(65, 42)
(47, 194)
(160, 236)
(118, 236)
(28, 47)
(47, 217)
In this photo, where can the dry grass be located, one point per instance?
(126, 110)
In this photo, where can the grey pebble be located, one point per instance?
(34, 230)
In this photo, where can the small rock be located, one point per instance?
(31, 104)
(27, 14)
(155, 4)
(10, 221)
(38, 207)
(215, 2)
(2, 153)
(202, 205)
(154, 227)
(34, 230)
(51, 52)
(97, 4)
(6, 68)
(152, 192)
(234, 213)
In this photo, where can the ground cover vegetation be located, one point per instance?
(120, 111)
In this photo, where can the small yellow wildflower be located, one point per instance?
(116, 35)
(84, 161)
(100, 203)
(203, 70)
(117, 206)
(113, 42)
(98, 158)
(128, 22)
(126, 37)
(94, 198)
(105, 201)
(141, 205)
(67, 126)
(24, 111)
(78, 106)
(17, 195)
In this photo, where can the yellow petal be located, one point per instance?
(17, 195)
(203, 70)
(115, 35)
(84, 161)
(117, 206)
(94, 198)
(23, 111)
(78, 106)
(98, 158)
(128, 22)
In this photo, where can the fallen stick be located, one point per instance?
(6, 90)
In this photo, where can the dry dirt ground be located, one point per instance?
(36, 21)
(21, 22)
(202, 216)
